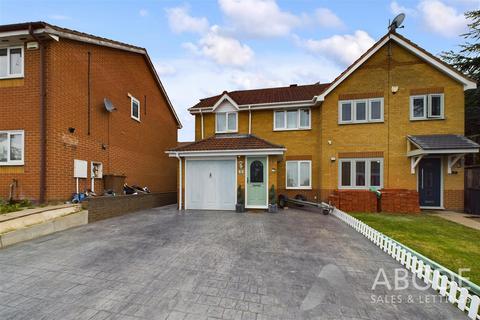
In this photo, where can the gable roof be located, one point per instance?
(267, 95)
(44, 30)
(227, 142)
(412, 47)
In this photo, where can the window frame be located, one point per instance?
(226, 122)
(132, 100)
(353, 170)
(15, 75)
(298, 187)
(353, 111)
(298, 126)
(427, 109)
(14, 162)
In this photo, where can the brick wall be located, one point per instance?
(354, 200)
(124, 146)
(400, 201)
(100, 208)
(453, 200)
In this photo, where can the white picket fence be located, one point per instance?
(422, 268)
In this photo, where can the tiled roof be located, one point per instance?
(443, 141)
(228, 142)
(268, 95)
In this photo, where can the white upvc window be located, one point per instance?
(292, 119)
(226, 122)
(360, 173)
(360, 111)
(11, 62)
(12, 148)
(298, 174)
(135, 108)
(427, 106)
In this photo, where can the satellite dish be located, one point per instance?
(397, 22)
(108, 105)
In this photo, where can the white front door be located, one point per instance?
(210, 184)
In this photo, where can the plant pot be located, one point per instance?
(272, 208)
(239, 208)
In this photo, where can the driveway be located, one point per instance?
(159, 264)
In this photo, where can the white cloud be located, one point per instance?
(326, 18)
(180, 21)
(221, 48)
(143, 12)
(343, 49)
(441, 18)
(258, 18)
(164, 69)
(59, 17)
(397, 8)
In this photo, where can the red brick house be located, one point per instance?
(55, 84)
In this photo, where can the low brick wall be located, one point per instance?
(100, 208)
(354, 200)
(392, 200)
(400, 201)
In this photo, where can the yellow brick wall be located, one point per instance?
(408, 73)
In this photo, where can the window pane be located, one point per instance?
(134, 108)
(375, 110)
(361, 111)
(304, 174)
(16, 61)
(436, 107)
(375, 173)
(280, 119)
(3, 62)
(346, 173)
(292, 119)
(232, 121)
(305, 118)
(292, 174)
(360, 173)
(346, 111)
(16, 147)
(221, 122)
(3, 147)
(418, 107)
(256, 172)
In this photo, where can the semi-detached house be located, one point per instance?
(393, 120)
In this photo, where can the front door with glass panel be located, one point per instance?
(430, 182)
(256, 182)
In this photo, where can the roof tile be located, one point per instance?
(228, 142)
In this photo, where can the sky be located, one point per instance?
(201, 48)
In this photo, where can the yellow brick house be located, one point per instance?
(393, 120)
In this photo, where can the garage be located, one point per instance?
(210, 184)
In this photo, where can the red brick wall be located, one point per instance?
(354, 200)
(135, 149)
(400, 201)
(19, 110)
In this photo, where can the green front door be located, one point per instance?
(256, 182)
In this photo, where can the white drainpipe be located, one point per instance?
(180, 182)
(249, 120)
(201, 116)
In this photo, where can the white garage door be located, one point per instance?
(210, 184)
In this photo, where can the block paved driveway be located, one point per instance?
(161, 264)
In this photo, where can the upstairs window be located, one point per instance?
(428, 106)
(360, 111)
(11, 62)
(11, 147)
(226, 122)
(291, 119)
(135, 106)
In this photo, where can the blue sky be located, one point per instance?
(201, 48)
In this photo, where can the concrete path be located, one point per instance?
(460, 218)
(159, 264)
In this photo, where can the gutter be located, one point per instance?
(43, 119)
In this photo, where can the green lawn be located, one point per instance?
(450, 244)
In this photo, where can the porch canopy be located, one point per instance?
(453, 146)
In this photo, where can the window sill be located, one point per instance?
(293, 129)
(138, 120)
(18, 76)
(223, 132)
(426, 119)
(15, 164)
(363, 122)
(298, 188)
(359, 188)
